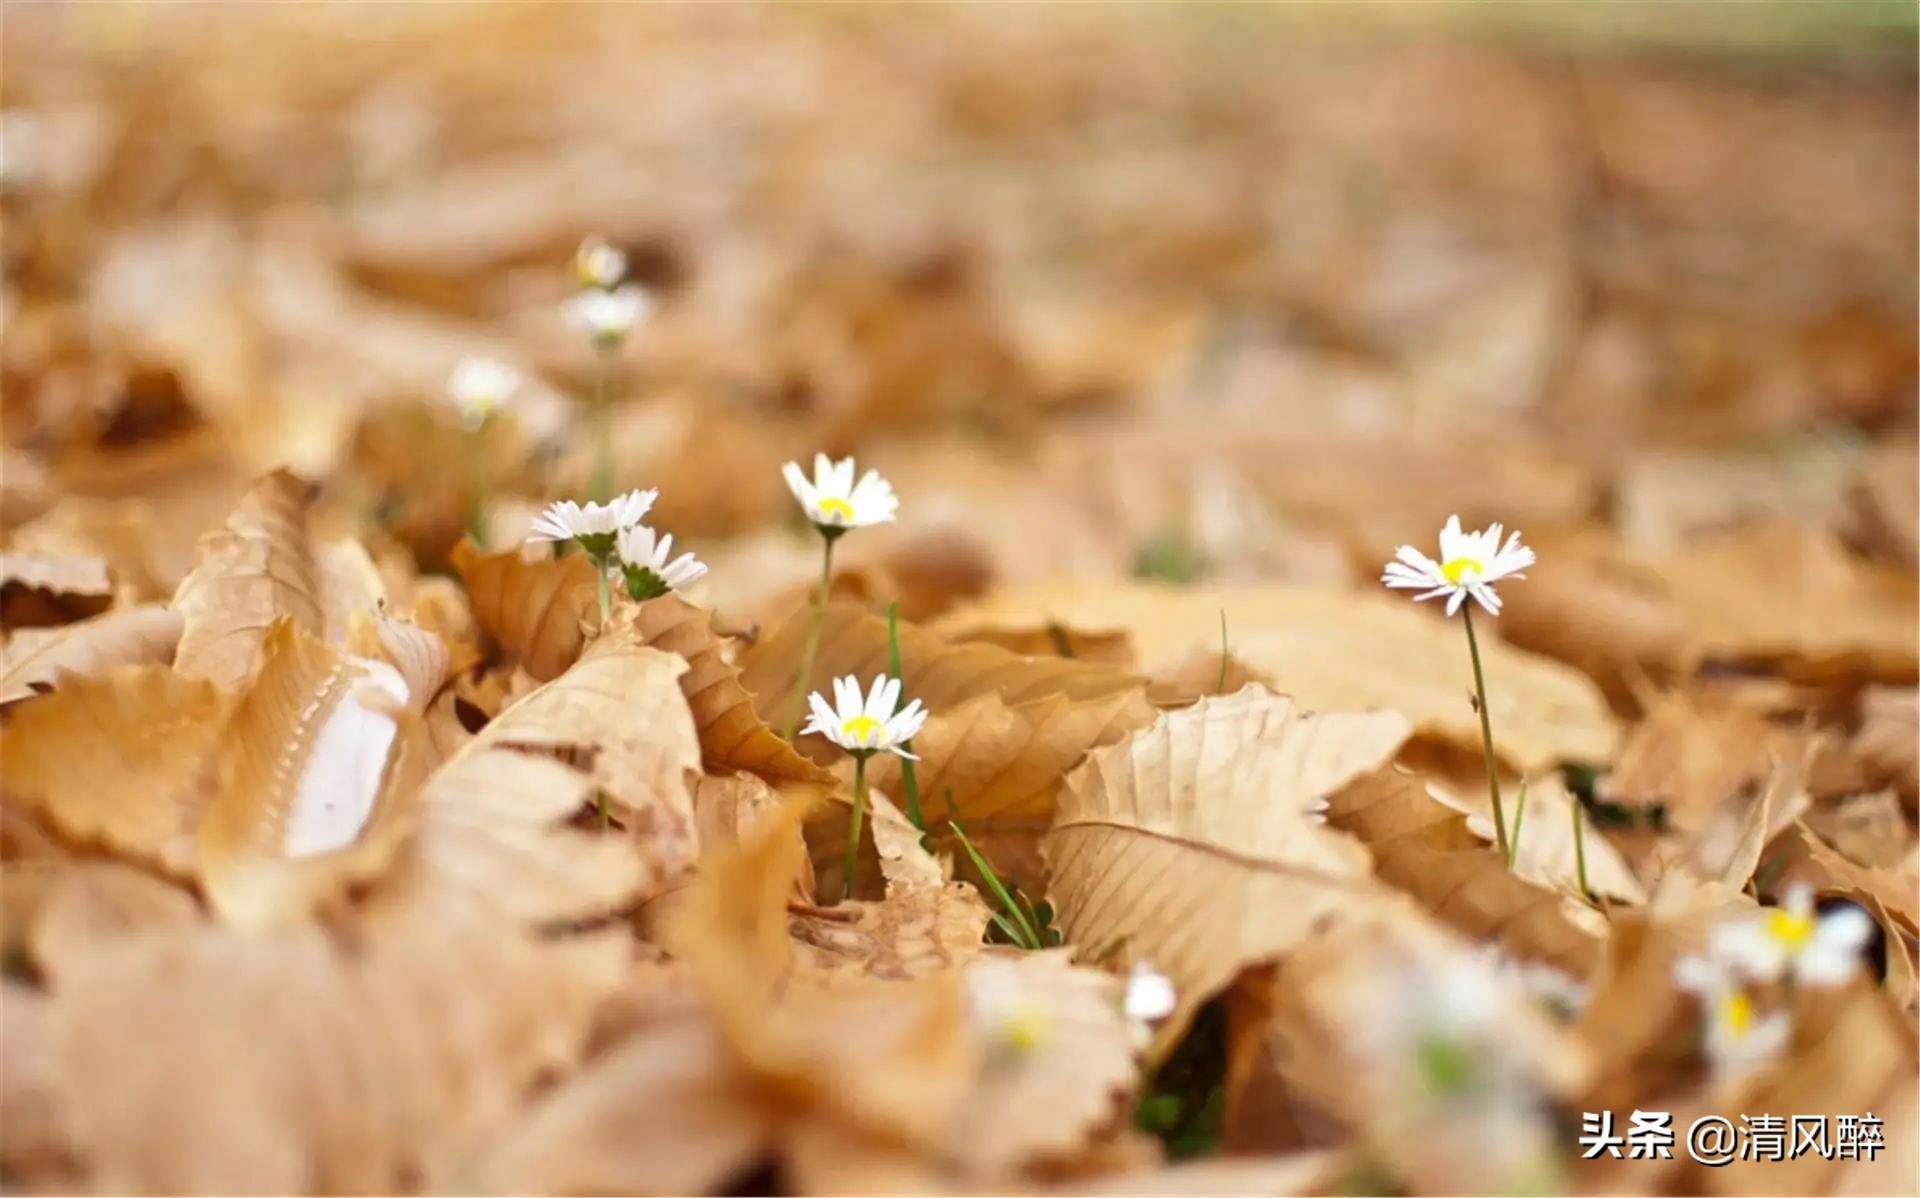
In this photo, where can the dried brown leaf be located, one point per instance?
(1196, 844)
(34, 660)
(536, 611)
(44, 589)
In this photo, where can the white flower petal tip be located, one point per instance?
(1150, 995)
(608, 316)
(648, 564)
(599, 264)
(479, 387)
(1795, 940)
(865, 724)
(832, 499)
(1469, 564)
(596, 525)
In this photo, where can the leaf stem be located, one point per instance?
(1486, 732)
(855, 823)
(798, 701)
(909, 779)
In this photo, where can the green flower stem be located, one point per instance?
(798, 702)
(602, 487)
(1519, 817)
(909, 780)
(855, 824)
(1486, 732)
(606, 603)
(477, 492)
(1026, 937)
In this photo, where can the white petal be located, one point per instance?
(1454, 600)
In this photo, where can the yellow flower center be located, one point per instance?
(1736, 1012)
(859, 728)
(1026, 1026)
(837, 507)
(1456, 569)
(1790, 929)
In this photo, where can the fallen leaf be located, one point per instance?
(1213, 807)
(38, 590)
(534, 610)
(34, 660)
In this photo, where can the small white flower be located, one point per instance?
(1150, 994)
(479, 387)
(596, 525)
(1735, 1037)
(833, 501)
(1793, 938)
(869, 725)
(643, 560)
(1005, 1011)
(599, 264)
(608, 316)
(1470, 563)
(1558, 990)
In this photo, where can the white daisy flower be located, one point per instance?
(594, 526)
(1150, 995)
(643, 560)
(834, 502)
(1735, 1037)
(1005, 1011)
(866, 726)
(608, 316)
(479, 387)
(1470, 563)
(1795, 939)
(598, 264)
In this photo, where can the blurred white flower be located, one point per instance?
(1795, 939)
(598, 264)
(594, 526)
(1004, 1011)
(608, 316)
(1470, 563)
(1736, 1038)
(866, 726)
(643, 560)
(1150, 995)
(479, 387)
(834, 502)
(1557, 989)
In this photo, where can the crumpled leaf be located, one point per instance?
(42, 589)
(536, 611)
(1337, 650)
(1423, 847)
(207, 1062)
(913, 932)
(733, 736)
(1214, 808)
(123, 760)
(33, 660)
(261, 566)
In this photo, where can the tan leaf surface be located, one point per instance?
(264, 565)
(35, 1145)
(34, 659)
(41, 589)
(311, 795)
(1544, 852)
(913, 932)
(1425, 848)
(1336, 650)
(209, 1062)
(733, 736)
(122, 760)
(1196, 844)
(87, 904)
(1297, 1173)
(534, 610)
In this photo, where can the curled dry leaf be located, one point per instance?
(1423, 847)
(1215, 808)
(536, 611)
(122, 760)
(34, 659)
(263, 566)
(733, 736)
(207, 1062)
(1335, 650)
(41, 589)
(913, 932)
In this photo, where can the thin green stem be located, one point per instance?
(1028, 938)
(909, 779)
(606, 603)
(1579, 848)
(477, 492)
(1486, 732)
(798, 701)
(1220, 687)
(855, 824)
(1519, 816)
(602, 488)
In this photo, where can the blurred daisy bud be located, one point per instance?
(479, 387)
(1470, 563)
(834, 502)
(599, 264)
(645, 565)
(595, 526)
(1004, 1011)
(1794, 940)
(1735, 1036)
(864, 726)
(609, 316)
